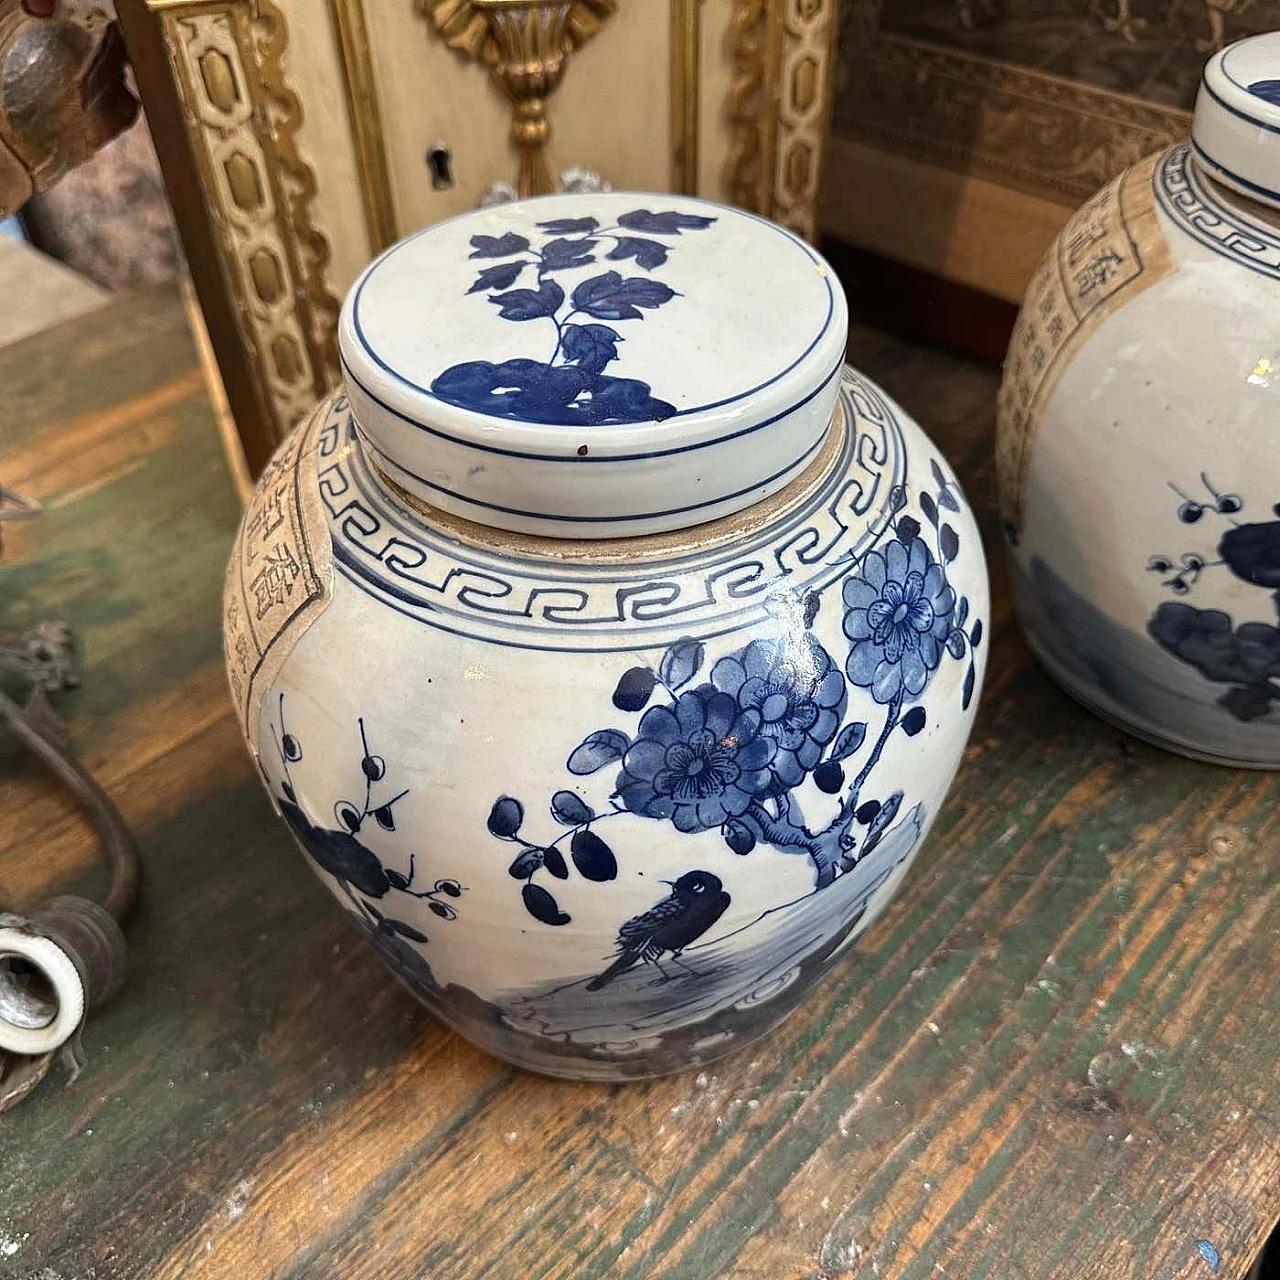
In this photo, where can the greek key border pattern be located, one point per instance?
(1193, 207)
(543, 604)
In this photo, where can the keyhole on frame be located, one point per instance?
(440, 166)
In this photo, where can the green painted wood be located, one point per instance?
(1054, 1056)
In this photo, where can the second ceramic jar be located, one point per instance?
(608, 647)
(1139, 462)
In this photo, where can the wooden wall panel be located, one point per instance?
(1010, 107)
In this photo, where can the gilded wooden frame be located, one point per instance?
(780, 106)
(366, 117)
(226, 133)
(686, 38)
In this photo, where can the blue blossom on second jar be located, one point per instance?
(799, 694)
(898, 613)
(699, 761)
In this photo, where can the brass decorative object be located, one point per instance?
(525, 44)
(62, 94)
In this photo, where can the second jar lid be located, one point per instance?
(1236, 130)
(595, 365)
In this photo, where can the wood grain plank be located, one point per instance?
(1053, 1055)
(179, 747)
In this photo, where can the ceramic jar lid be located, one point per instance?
(595, 365)
(1236, 130)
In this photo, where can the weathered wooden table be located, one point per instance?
(1054, 1056)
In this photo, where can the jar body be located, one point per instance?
(610, 809)
(1138, 463)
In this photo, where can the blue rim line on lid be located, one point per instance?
(680, 413)
(628, 518)
(1236, 111)
(573, 456)
(387, 506)
(1244, 88)
(1266, 192)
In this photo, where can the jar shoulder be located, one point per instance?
(404, 572)
(593, 596)
(1160, 218)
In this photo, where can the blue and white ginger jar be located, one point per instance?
(607, 645)
(1139, 465)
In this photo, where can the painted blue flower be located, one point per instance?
(569, 394)
(898, 611)
(699, 761)
(797, 691)
(570, 388)
(1246, 657)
